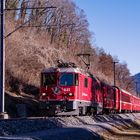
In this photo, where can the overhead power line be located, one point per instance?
(48, 26)
(20, 26)
(27, 8)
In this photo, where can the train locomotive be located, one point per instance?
(67, 89)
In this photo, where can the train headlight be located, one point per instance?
(71, 94)
(43, 94)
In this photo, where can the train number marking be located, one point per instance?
(84, 94)
(66, 89)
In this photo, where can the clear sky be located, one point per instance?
(116, 25)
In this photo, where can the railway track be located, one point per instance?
(96, 117)
(17, 126)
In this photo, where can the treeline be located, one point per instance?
(62, 26)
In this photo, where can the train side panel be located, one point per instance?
(85, 93)
(117, 99)
(135, 104)
(109, 98)
(126, 104)
(97, 98)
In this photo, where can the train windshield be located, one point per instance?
(68, 79)
(48, 79)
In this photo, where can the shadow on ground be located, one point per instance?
(64, 134)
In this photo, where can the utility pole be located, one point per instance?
(2, 60)
(114, 69)
(137, 88)
(3, 114)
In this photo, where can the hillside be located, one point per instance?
(49, 35)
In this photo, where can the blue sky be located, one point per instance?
(116, 28)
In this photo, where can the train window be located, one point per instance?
(85, 82)
(125, 97)
(48, 79)
(68, 79)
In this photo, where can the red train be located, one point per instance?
(68, 89)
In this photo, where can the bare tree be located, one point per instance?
(124, 78)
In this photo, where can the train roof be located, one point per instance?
(125, 91)
(129, 93)
(70, 70)
(74, 70)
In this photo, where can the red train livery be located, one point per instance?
(68, 89)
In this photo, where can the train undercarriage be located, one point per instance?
(52, 108)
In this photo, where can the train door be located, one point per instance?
(104, 95)
(117, 99)
(85, 88)
(77, 86)
(120, 103)
(83, 83)
(80, 88)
